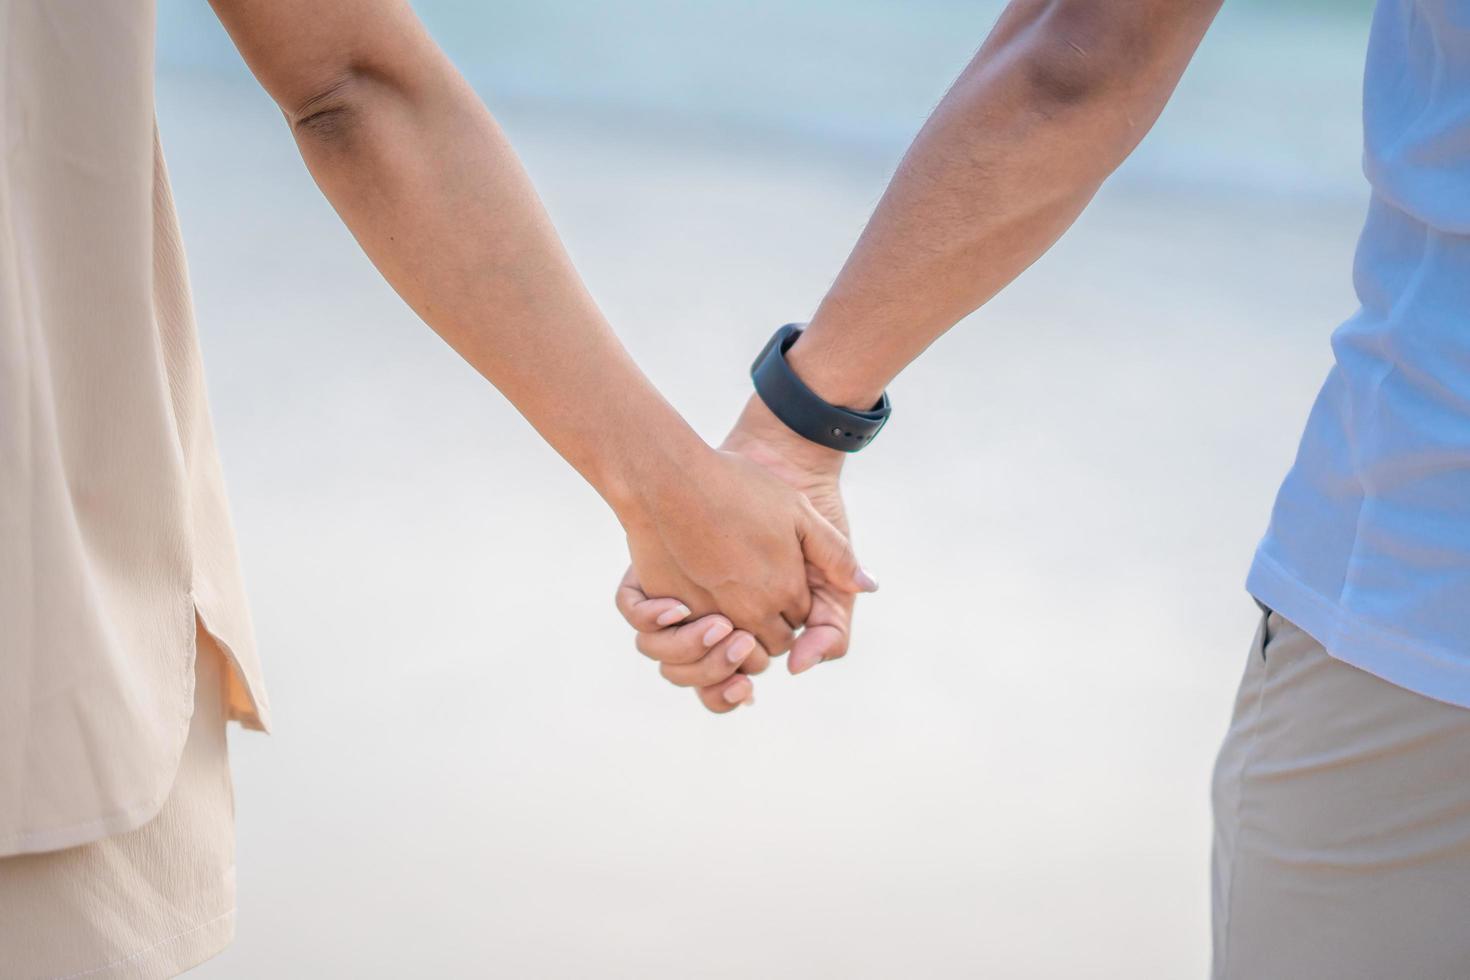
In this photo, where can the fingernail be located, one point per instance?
(740, 648)
(734, 694)
(671, 616)
(716, 633)
(803, 665)
(865, 581)
(749, 702)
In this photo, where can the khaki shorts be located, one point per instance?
(1342, 824)
(152, 902)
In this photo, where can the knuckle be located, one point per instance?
(710, 676)
(712, 669)
(675, 675)
(744, 612)
(756, 663)
(777, 642)
(687, 651)
(715, 702)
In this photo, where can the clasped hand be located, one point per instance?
(745, 551)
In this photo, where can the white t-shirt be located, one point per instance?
(1369, 544)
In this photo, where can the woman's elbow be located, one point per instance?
(328, 111)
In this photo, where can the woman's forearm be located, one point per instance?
(426, 181)
(424, 178)
(1056, 98)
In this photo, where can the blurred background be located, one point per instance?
(474, 774)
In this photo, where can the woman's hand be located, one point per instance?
(666, 635)
(707, 654)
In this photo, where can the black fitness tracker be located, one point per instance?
(803, 411)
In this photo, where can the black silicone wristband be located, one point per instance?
(802, 410)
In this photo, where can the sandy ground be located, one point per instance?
(475, 775)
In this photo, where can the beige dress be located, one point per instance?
(147, 903)
(116, 551)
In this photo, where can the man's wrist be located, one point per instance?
(837, 375)
(760, 436)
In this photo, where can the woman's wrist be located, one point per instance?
(645, 473)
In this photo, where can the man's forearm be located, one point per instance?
(1056, 98)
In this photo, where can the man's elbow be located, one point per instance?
(1082, 52)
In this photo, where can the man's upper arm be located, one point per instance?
(309, 53)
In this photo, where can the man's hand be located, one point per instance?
(814, 471)
(663, 633)
(722, 534)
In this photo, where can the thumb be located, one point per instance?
(828, 549)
